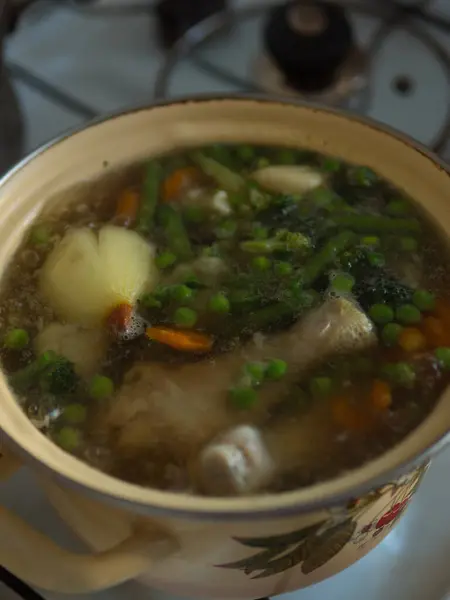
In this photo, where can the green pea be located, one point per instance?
(371, 241)
(276, 369)
(408, 314)
(398, 208)
(182, 293)
(320, 387)
(245, 153)
(165, 260)
(16, 339)
(408, 244)
(391, 333)
(376, 259)
(75, 414)
(261, 263)
(194, 214)
(226, 229)
(260, 233)
(443, 356)
(424, 300)
(282, 268)
(401, 374)
(101, 387)
(286, 157)
(68, 438)
(243, 397)
(330, 164)
(342, 282)
(219, 303)
(256, 370)
(185, 317)
(263, 162)
(40, 235)
(363, 176)
(149, 301)
(381, 314)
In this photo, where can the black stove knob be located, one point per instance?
(308, 41)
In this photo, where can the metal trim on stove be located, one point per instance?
(17, 586)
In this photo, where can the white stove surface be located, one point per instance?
(109, 63)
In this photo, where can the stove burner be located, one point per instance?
(404, 85)
(308, 42)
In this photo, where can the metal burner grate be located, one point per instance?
(21, 589)
(217, 35)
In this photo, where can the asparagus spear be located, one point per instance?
(223, 176)
(149, 198)
(377, 224)
(176, 235)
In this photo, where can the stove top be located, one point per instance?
(69, 64)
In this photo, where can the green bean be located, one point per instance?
(223, 176)
(176, 235)
(318, 263)
(376, 224)
(149, 199)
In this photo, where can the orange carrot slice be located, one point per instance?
(187, 341)
(436, 332)
(179, 181)
(119, 318)
(380, 395)
(127, 207)
(346, 415)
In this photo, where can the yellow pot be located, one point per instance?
(195, 546)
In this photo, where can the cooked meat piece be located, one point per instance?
(178, 409)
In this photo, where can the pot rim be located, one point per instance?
(149, 501)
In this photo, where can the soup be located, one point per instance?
(230, 320)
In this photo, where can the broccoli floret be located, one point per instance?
(380, 288)
(54, 373)
(60, 377)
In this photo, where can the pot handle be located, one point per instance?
(33, 557)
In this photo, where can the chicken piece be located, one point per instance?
(177, 409)
(246, 458)
(85, 348)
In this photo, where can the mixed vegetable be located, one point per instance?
(207, 250)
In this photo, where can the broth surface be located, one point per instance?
(229, 320)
